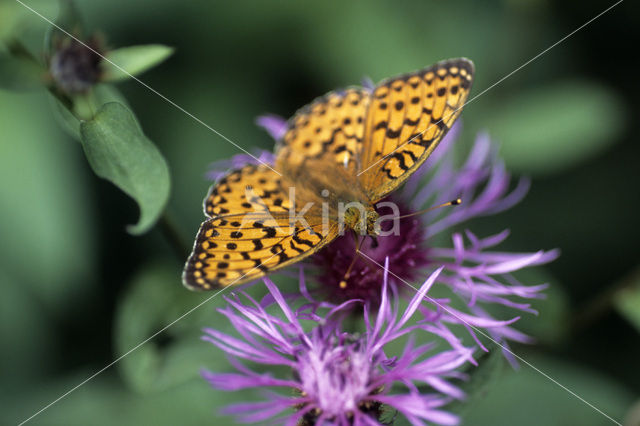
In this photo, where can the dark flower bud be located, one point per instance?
(75, 68)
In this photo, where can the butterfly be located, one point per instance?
(347, 149)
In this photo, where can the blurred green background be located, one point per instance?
(78, 290)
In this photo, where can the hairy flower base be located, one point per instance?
(406, 252)
(339, 378)
(372, 409)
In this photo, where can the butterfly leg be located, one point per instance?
(343, 282)
(374, 242)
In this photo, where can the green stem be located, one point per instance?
(19, 50)
(601, 303)
(170, 231)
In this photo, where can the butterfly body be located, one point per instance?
(363, 222)
(337, 190)
(340, 155)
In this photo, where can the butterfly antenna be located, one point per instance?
(343, 282)
(455, 202)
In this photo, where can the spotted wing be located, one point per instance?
(331, 128)
(250, 231)
(251, 188)
(407, 118)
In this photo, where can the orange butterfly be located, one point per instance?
(339, 156)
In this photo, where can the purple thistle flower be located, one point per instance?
(220, 168)
(406, 252)
(275, 125)
(475, 274)
(338, 378)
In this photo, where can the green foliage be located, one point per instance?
(20, 359)
(118, 151)
(15, 18)
(101, 94)
(627, 301)
(111, 136)
(19, 73)
(525, 397)
(47, 224)
(133, 60)
(107, 402)
(68, 21)
(144, 311)
(551, 128)
(482, 381)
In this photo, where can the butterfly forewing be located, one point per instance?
(330, 129)
(407, 118)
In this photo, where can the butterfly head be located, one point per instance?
(364, 222)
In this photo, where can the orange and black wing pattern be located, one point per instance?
(407, 117)
(330, 129)
(250, 231)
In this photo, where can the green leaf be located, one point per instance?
(100, 94)
(133, 60)
(107, 402)
(481, 380)
(155, 299)
(20, 361)
(70, 21)
(56, 274)
(118, 151)
(526, 397)
(627, 301)
(20, 73)
(65, 118)
(15, 17)
(554, 127)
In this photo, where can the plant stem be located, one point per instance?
(174, 237)
(602, 303)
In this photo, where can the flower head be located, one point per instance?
(405, 250)
(74, 67)
(220, 168)
(476, 275)
(337, 377)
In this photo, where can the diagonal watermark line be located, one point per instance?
(148, 87)
(496, 83)
(504, 348)
(115, 361)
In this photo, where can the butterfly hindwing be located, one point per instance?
(228, 255)
(250, 231)
(407, 118)
(254, 187)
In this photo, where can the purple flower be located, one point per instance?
(337, 377)
(220, 168)
(476, 275)
(405, 251)
(275, 125)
